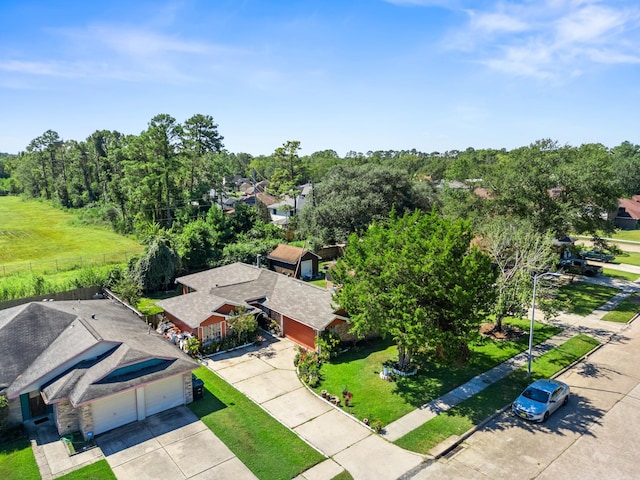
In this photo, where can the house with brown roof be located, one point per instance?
(294, 261)
(88, 366)
(301, 310)
(628, 213)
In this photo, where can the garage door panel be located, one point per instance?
(114, 411)
(299, 333)
(164, 394)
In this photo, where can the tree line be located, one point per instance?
(507, 204)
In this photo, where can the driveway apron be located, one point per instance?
(266, 375)
(170, 445)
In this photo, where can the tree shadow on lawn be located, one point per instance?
(361, 350)
(434, 380)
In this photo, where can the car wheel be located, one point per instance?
(565, 401)
(546, 417)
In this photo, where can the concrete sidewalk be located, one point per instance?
(572, 324)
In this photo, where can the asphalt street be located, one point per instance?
(594, 437)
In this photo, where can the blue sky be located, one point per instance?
(360, 75)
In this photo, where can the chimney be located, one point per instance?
(259, 261)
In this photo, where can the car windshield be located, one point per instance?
(536, 395)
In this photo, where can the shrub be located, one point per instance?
(4, 412)
(328, 344)
(308, 364)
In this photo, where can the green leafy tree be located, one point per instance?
(157, 267)
(418, 280)
(198, 246)
(200, 137)
(518, 252)
(626, 165)
(289, 170)
(351, 197)
(558, 188)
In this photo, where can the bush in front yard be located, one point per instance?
(308, 364)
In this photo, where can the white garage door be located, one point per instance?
(306, 268)
(164, 394)
(114, 411)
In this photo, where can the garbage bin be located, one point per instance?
(198, 387)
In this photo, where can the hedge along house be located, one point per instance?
(295, 261)
(89, 366)
(301, 310)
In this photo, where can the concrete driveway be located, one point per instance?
(170, 445)
(266, 375)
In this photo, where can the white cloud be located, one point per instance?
(497, 22)
(555, 38)
(125, 53)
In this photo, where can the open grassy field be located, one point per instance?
(53, 240)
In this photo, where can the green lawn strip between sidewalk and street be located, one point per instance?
(17, 459)
(582, 298)
(269, 449)
(375, 399)
(99, 470)
(620, 275)
(625, 310)
(471, 412)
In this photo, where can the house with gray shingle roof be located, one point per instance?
(300, 309)
(88, 366)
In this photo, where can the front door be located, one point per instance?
(37, 407)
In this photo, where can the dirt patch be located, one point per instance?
(509, 332)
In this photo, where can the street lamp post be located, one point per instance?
(533, 312)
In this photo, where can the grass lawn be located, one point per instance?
(99, 470)
(625, 311)
(322, 283)
(582, 298)
(474, 410)
(629, 276)
(630, 258)
(16, 458)
(375, 399)
(31, 231)
(344, 475)
(147, 305)
(632, 235)
(266, 447)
